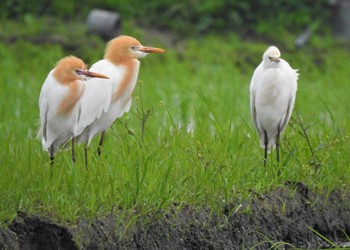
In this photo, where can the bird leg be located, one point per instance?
(278, 148)
(278, 144)
(99, 149)
(86, 155)
(52, 156)
(73, 151)
(266, 144)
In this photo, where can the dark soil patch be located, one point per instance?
(292, 215)
(36, 232)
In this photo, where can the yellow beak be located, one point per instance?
(151, 50)
(274, 59)
(92, 74)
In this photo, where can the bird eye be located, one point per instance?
(77, 71)
(132, 47)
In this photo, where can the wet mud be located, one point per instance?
(289, 217)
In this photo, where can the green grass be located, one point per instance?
(144, 170)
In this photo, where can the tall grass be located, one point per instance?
(188, 139)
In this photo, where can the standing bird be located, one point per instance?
(272, 95)
(59, 103)
(104, 102)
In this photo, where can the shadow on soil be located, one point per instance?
(290, 216)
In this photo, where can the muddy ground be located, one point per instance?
(285, 215)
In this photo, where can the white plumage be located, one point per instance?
(105, 101)
(272, 95)
(56, 128)
(59, 103)
(99, 110)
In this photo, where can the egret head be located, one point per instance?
(124, 48)
(272, 55)
(72, 68)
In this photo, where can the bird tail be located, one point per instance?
(297, 73)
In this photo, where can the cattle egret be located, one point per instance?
(272, 95)
(105, 101)
(59, 103)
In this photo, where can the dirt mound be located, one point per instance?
(36, 232)
(292, 215)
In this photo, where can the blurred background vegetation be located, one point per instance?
(187, 17)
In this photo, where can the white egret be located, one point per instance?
(105, 101)
(59, 103)
(272, 95)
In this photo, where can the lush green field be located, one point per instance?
(188, 139)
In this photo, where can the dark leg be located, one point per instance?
(278, 144)
(101, 143)
(86, 155)
(266, 144)
(73, 151)
(278, 149)
(52, 157)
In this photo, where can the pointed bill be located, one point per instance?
(274, 59)
(151, 50)
(92, 74)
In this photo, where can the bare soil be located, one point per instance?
(292, 214)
